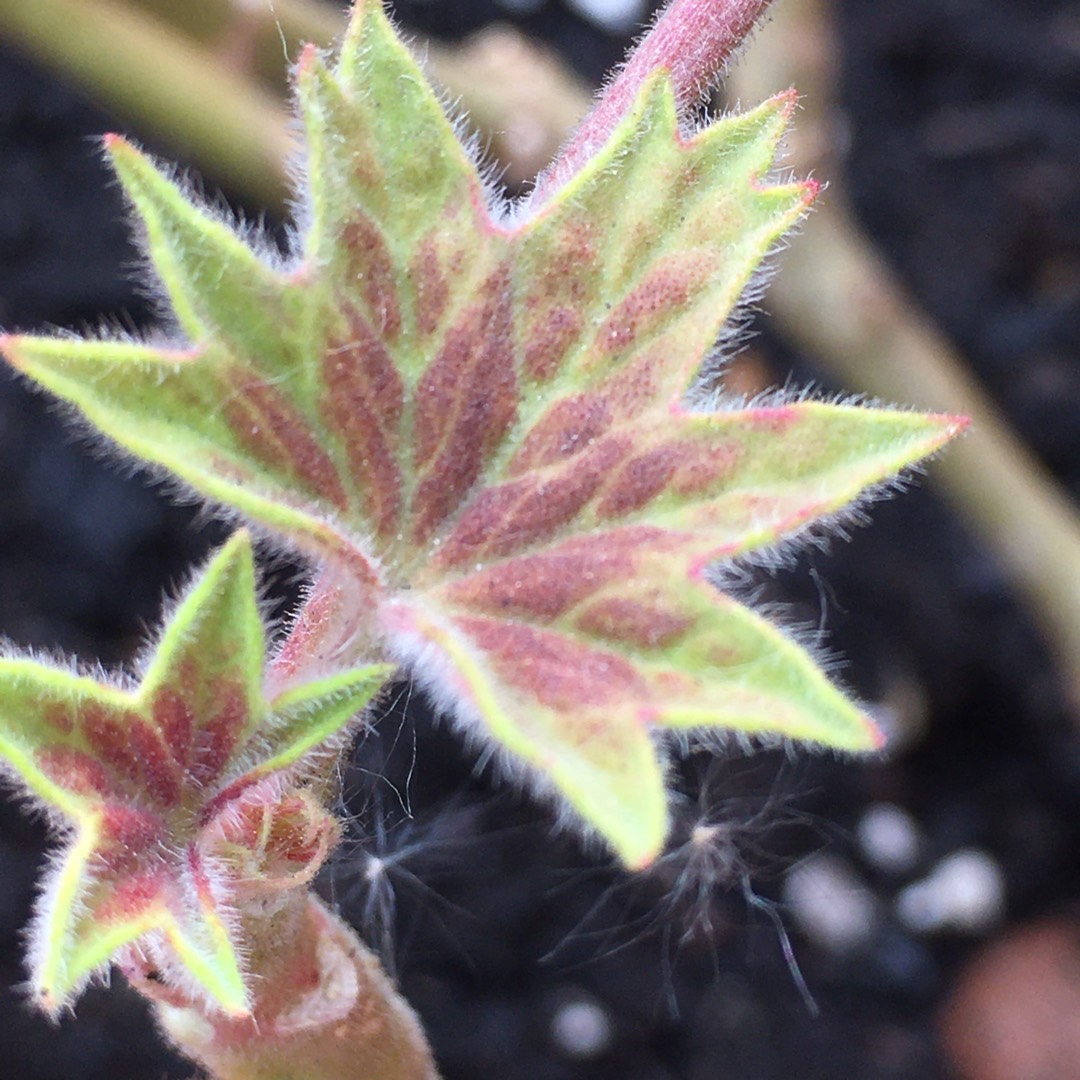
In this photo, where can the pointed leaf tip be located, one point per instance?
(788, 100)
(8, 349)
(308, 55)
(236, 555)
(946, 426)
(12, 349)
(877, 739)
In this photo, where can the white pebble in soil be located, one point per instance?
(615, 16)
(581, 1027)
(832, 906)
(889, 838)
(965, 892)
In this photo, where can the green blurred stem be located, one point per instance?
(208, 78)
(518, 96)
(145, 71)
(312, 21)
(274, 29)
(836, 298)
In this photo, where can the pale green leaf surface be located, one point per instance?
(492, 421)
(140, 772)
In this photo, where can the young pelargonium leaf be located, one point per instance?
(489, 420)
(141, 775)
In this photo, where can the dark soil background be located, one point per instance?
(964, 163)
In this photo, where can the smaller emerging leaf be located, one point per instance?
(140, 774)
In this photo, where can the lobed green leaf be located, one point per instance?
(489, 420)
(139, 773)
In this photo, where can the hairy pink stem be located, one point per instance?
(323, 1010)
(692, 40)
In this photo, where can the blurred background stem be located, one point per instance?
(838, 301)
(208, 77)
(149, 74)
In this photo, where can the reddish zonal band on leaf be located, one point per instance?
(146, 777)
(487, 424)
